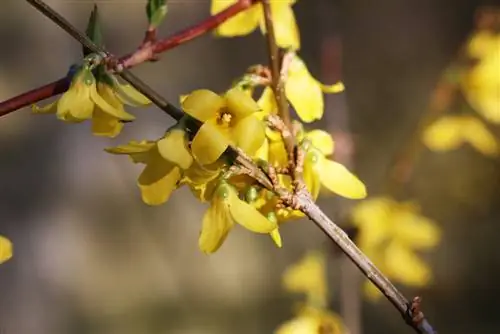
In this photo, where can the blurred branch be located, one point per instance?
(410, 311)
(149, 50)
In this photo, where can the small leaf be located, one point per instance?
(156, 11)
(93, 30)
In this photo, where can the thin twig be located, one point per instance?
(142, 54)
(411, 312)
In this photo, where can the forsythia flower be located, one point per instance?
(5, 249)
(225, 209)
(304, 92)
(481, 84)
(450, 132)
(100, 101)
(285, 27)
(164, 160)
(227, 120)
(309, 276)
(389, 233)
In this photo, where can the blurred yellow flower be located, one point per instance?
(318, 170)
(225, 209)
(450, 132)
(389, 234)
(310, 320)
(5, 249)
(481, 84)
(227, 120)
(304, 92)
(87, 99)
(285, 27)
(164, 159)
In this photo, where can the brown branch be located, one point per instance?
(302, 199)
(146, 52)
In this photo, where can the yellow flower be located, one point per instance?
(227, 120)
(308, 276)
(450, 132)
(389, 234)
(285, 27)
(481, 84)
(86, 99)
(312, 321)
(304, 92)
(164, 159)
(5, 249)
(225, 209)
(318, 170)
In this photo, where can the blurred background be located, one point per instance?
(90, 257)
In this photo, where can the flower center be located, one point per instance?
(224, 118)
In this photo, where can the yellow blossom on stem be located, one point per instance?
(228, 119)
(164, 159)
(88, 99)
(481, 84)
(310, 320)
(285, 26)
(225, 209)
(319, 170)
(451, 132)
(389, 234)
(5, 249)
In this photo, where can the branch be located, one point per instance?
(411, 312)
(146, 52)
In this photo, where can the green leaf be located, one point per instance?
(93, 30)
(156, 11)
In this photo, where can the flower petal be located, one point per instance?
(5, 249)
(158, 180)
(478, 135)
(276, 236)
(217, 223)
(285, 25)
(105, 125)
(129, 95)
(340, 180)
(322, 141)
(415, 231)
(249, 134)
(75, 105)
(405, 266)
(208, 144)
(51, 108)
(240, 105)
(202, 104)
(311, 175)
(173, 147)
(304, 93)
(107, 101)
(445, 134)
(248, 217)
(240, 24)
(335, 88)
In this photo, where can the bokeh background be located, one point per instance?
(90, 257)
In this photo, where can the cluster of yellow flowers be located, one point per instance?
(308, 276)
(480, 85)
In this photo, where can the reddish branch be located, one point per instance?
(146, 52)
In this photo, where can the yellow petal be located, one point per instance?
(335, 88)
(300, 325)
(373, 217)
(444, 134)
(241, 24)
(415, 231)
(106, 100)
(105, 125)
(405, 266)
(158, 180)
(5, 249)
(311, 175)
(276, 236)
(129, 95)
(263, 151)
(481, 44)
(208, 144)
(247, 216)
(138, 151)
(267, 102)
(277, 153)
(285, 25)
(198, 174)
(322, 141)
(240, 104)
(203, 104)
(478, 135)
(340, 180)
(249, 135)
(51, 108)
(303, 92)
(75, 105)
(173, 147)
(216, 224)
